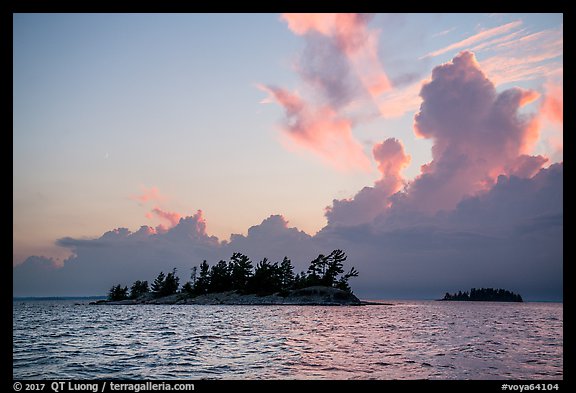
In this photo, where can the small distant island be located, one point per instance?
(484, 295)
(239, 282)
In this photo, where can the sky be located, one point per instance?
(428, 146)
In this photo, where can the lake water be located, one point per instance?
(407, 340)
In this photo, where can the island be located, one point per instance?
(238, 282)
(484, 295)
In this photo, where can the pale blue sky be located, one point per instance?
(106, 105)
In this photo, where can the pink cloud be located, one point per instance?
(192, 227)
(526, 166)
(477, 133)
(526, 56)
(340, 69)
(397, 102)
(391, 160)
(478, 37)
(320, 130)
(353, 38)
(302, 23)
(553, 103)
(171, 217)
(369, 202)
(151, 194)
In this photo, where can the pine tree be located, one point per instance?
(138, 289)
(240, 268)
(286, 274)
(117, 293)
(170, 285)
(220, 278)
(158, 283)
(334, 265)
(203, 283)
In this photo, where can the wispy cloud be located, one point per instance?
(396, 103)
(320, 130)
(353, 38)
(478, 37)
(530, 56)
(149, 194)
(339, 67)
(443, 32)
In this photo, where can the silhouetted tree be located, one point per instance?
(266, 279)
(203, 283)
(300, 280)
(485, 294)
(193, 275)
(333, 266)
(166, 285)
(240, 268)
(189, 286)
(158, 283)
(138, 289)
(220, 278)
(171, 284)
(316, 271)
(286, 274)
(343, 281)
(118, 293)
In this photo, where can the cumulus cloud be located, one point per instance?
(510, 236)
(483, 212)
(553, 103)
(372, 201)
(119, 256)
(172, 218)
(391, 160)
(122, 256)
(477, 133)
(274, 238)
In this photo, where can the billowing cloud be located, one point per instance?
(168, 219)
(553, 103)
(171, 217)
(510, 237)
(509, 53)
(477, 133)
(483, 212)
(320, 130)
(391, 160)
(372, 201)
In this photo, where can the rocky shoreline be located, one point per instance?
(310, 296)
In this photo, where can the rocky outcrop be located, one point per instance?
(317, 295)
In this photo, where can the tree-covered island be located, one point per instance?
(237, 281)
(484, 295)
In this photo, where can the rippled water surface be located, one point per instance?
(407, 340)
